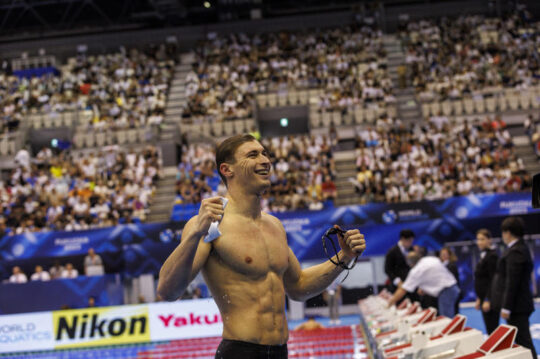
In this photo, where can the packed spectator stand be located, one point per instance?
(74, 191)
(116, 97)
(472, 63)
(437, 160)
(335, 69)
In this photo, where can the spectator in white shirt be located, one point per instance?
(70, 272)
(40, 274)
(18, 276)
(93, 265)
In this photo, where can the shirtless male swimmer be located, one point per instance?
(250, 267)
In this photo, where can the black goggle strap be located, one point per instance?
(339, 262)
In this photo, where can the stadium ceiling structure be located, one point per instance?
(62, 15)
(25, 19)
(43, 17)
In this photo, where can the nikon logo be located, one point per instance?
(87, 326)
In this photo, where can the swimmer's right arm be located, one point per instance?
(190, 256)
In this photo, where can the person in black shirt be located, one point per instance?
(483, 277)
(395, 262)
(511, 287)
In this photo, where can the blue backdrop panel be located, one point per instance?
(130, 248)
(461, 207)
(43, 296)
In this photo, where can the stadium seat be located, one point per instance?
(358, 115)
(326, 119)
(206, 128)
(513, 102)
(479, 105)
(262, 100)
(4, 147)
(503, 105)
(435, 108)
(336, 118)
(239, 126)
(370, 115)
(491, 104)
(57, 120)
(426, 109)
(303, 97)
(446, 108)
(69, 118)
(121, 137)
(47, 122)
(315, 119)
(249, 124)
(282, 98)
(525, 100)
(272, 100)
(348, 119)
(217, 128)
(89, 139)
(132, 135)
(100, 139)
(293, 97)
(228, 128)
(142, 134)
(458, 107)
(468, 105)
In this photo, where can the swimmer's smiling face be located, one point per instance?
(252, 166)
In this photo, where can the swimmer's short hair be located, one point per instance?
(226, 150)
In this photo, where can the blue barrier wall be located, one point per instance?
(132, 249)
(135, 249)
(51, 295)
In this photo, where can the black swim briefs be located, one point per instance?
(235, 349)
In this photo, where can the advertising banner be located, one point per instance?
(90, 327)
(26, 332)
(101, 326)
(185, 319)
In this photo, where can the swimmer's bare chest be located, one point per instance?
(250, 249)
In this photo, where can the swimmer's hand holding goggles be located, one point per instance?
(327, 236)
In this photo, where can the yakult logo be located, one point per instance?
(192, 319)
(185, 319)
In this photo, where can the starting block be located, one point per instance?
(455, 340)
(428, 323)
(500, 344)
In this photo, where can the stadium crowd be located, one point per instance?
(74, 192)
(348, 63)
(532, 129)
(123, 89)
(303, 174)
(471, 56)
(437, 160)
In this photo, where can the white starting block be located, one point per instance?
(500, 344)
(455, 340)
(391, 322)
(428, 323)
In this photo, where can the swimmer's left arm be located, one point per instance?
(304, 284)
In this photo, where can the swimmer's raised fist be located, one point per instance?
(352, 243)
(211, 211)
